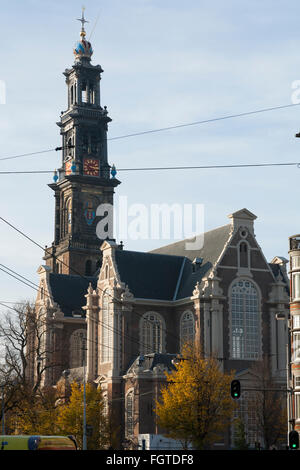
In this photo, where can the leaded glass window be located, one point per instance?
(106, 328)
(129, 413)
(245, 320)
(151, 334)
(187, 328)
(77, 348)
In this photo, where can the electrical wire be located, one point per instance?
(36, 153)
(37, 288)
(201, 167)
(84, 277)
(163, 129)
(71, 349)
(205, 121)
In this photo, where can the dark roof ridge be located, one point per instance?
(190, 238)
(147, 253)
(77, 276)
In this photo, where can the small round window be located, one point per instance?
(243, 232)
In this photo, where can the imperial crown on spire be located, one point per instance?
(83, 48)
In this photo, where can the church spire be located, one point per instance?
(83, 21)
(83, 48)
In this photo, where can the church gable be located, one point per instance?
(242, 251)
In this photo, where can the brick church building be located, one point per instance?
(126, 313)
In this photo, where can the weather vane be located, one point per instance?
(82, 21)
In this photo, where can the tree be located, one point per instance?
(70, 416)
(268, 405)
(39, 416)
(240, 442)
(23, 337)
(195, 405)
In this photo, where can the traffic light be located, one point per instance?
(235, 389)
(293, 440)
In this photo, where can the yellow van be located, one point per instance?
(37, 443)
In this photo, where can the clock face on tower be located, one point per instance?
(91, 167)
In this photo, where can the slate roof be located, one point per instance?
(168, 273)
(149, 276)
(147, 362)
(69, 291)
(213, 244)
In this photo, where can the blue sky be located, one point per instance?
(165, 63)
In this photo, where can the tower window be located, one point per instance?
(84, 95)
(92, 95)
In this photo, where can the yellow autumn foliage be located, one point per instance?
(195, 405)
(70, 416)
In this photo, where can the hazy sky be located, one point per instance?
(165, 63)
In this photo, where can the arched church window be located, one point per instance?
(105, 404)
(245, 320)
(77, 348)
(106, 327)
(187, 328)
(91, 94)
(68, 217)
(151, 333)
(84, 96)
(129, 413)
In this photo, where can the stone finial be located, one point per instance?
(196, 291)
(127, 295)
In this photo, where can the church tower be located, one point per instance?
(84, 182)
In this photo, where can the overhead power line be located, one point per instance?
(140, 315)
(56, 149)
(167, 128)
(205, 121)
(37, 288)
(159, 168)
